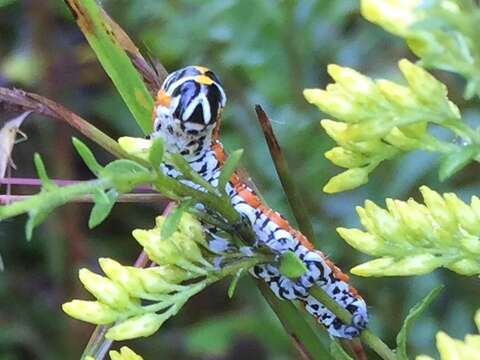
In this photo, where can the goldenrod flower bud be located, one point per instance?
(92, 312)
(363, 241)
(466, 267)
(328, 102)
(122, 276)
(393, 15)
(397, 94)
(137, 326)
(159, 279)
(335, 129)
(192, 228)
(346, 158)
(135, 146)
(105, 290)
(124, 354)
(464, 213)
(385, 224)
(347, 180)
(387, 266)
(352, 81)
(438, 208)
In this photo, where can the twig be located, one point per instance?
(98, 345)
(291, 191)
(19, 100)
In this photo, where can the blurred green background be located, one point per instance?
(264, 52)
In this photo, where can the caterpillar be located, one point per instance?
(187, 116)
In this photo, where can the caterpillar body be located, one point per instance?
(187, 116)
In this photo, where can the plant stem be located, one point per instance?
(291, 191)
(124, 198)
(367, 337)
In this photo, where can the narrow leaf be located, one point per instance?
(171, 222)
(228, 168)
(291, 266)
(35, 218)
(42, 172)
(456, 161)
(233, 285)
(103, 205)
(413, 314)
(87, 156)
(155, 155)
(338, 352)
(2, 264)
(114, 60)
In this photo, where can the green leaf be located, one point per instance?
(42, 172)
(291, 266)
(155, 156)
(171, 222)
(233, 284)
(35, 218)
(188, 173)
(338, 352)
(228, 168)
(2, 264)
(454, 162)
(413, 314)
(103, 205)
(117, 171)
(114, 60)
(87, 156)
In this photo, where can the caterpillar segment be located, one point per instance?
(187, 116)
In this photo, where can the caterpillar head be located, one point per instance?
(187, 109)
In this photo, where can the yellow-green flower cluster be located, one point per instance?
(443, 33)
(452, 349)
(410, 238)
(119, 294)
(378, 119)
(125, 353)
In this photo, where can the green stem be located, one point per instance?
(367, 337)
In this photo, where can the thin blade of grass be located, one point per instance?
(100, 34)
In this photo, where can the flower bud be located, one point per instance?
(392, 15)
(399, 95)
(137, 326)
(105, 290)
(122, 276)
(397, 138)
(374, 267)
(439, 209)
(192, 228)
(335, 129)
(159, 279)
(333, 104)
(363, 241)
(347, 180)
(465, 267)
(414, 265)
(352, 81)
(92, 312)
(124, 354)
(346, 158)
(135, 146)
(423, 84)
(385, 224)
(465, 215)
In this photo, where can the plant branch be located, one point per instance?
(19, 100)
(291, 191)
